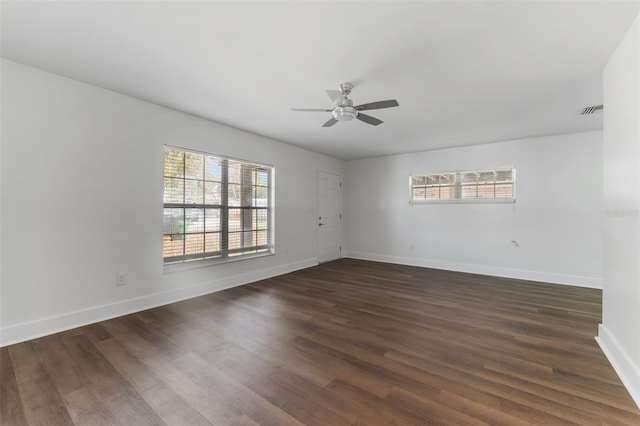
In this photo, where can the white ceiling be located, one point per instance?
(463, 72)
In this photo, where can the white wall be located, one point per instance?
(619, 333)
(557, 219)
(81, 178)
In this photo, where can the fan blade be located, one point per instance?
(369, 119)
(311, 109)
(378, 105)
(330, 123)
(335, 95)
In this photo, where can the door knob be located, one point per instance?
(320, 224)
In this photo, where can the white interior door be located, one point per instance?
(329, 216)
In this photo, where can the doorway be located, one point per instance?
(329, 216)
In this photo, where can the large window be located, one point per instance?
(215, 207)
(473, 186)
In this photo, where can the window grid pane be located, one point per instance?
(173, 190)
(193, 191)
(173, 163)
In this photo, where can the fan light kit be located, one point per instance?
(345, 111)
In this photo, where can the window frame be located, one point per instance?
(246, 203)
(509, 200)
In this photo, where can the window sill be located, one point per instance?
(170, 268)
(470, 201)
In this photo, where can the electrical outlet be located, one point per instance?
(121, 279)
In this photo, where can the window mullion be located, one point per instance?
(184, 202)
(270, 196)
(204, 201)
(224, 209)
(245, 197)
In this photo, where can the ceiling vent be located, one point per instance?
(591, 109)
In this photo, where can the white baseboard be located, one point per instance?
(45, 326)
(622, 363)
(494, 271)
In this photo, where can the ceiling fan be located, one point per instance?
(345, 111)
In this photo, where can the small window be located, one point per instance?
(215, 207)
(473, 186)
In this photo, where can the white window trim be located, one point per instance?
(199, 262)
(511, 200)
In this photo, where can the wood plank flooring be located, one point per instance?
(348, 342)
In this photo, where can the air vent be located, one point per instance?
(591, 109)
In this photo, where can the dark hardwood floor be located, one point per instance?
(348, 342)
